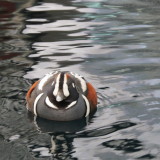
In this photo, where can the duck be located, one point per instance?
(62, 96)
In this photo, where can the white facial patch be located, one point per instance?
(65, 87)
(55, 91)
(50, 104)
(87, 105)
(35, 103)
(71, 104)
(82, 81)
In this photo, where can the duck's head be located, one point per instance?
(62, 96)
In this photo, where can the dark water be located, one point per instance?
(115, 45)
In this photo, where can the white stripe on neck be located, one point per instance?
(87, 105)
(35, 103)
(50, 104)
(71, 104)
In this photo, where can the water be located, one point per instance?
(114, 45)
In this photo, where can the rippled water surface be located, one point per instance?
(114, 44)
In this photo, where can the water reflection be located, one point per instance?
(126, 145)
(48, 126)
(114, 44)
(111, 43)
(63, 135)
(68, 36)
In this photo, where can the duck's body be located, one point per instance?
(62, 96)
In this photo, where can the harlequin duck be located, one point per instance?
(62, 96)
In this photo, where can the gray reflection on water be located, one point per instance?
(57, 54)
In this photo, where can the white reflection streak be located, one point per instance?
(131, 27)
(37, 20)
(60, 25)
(64, 47)
(50, 7)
